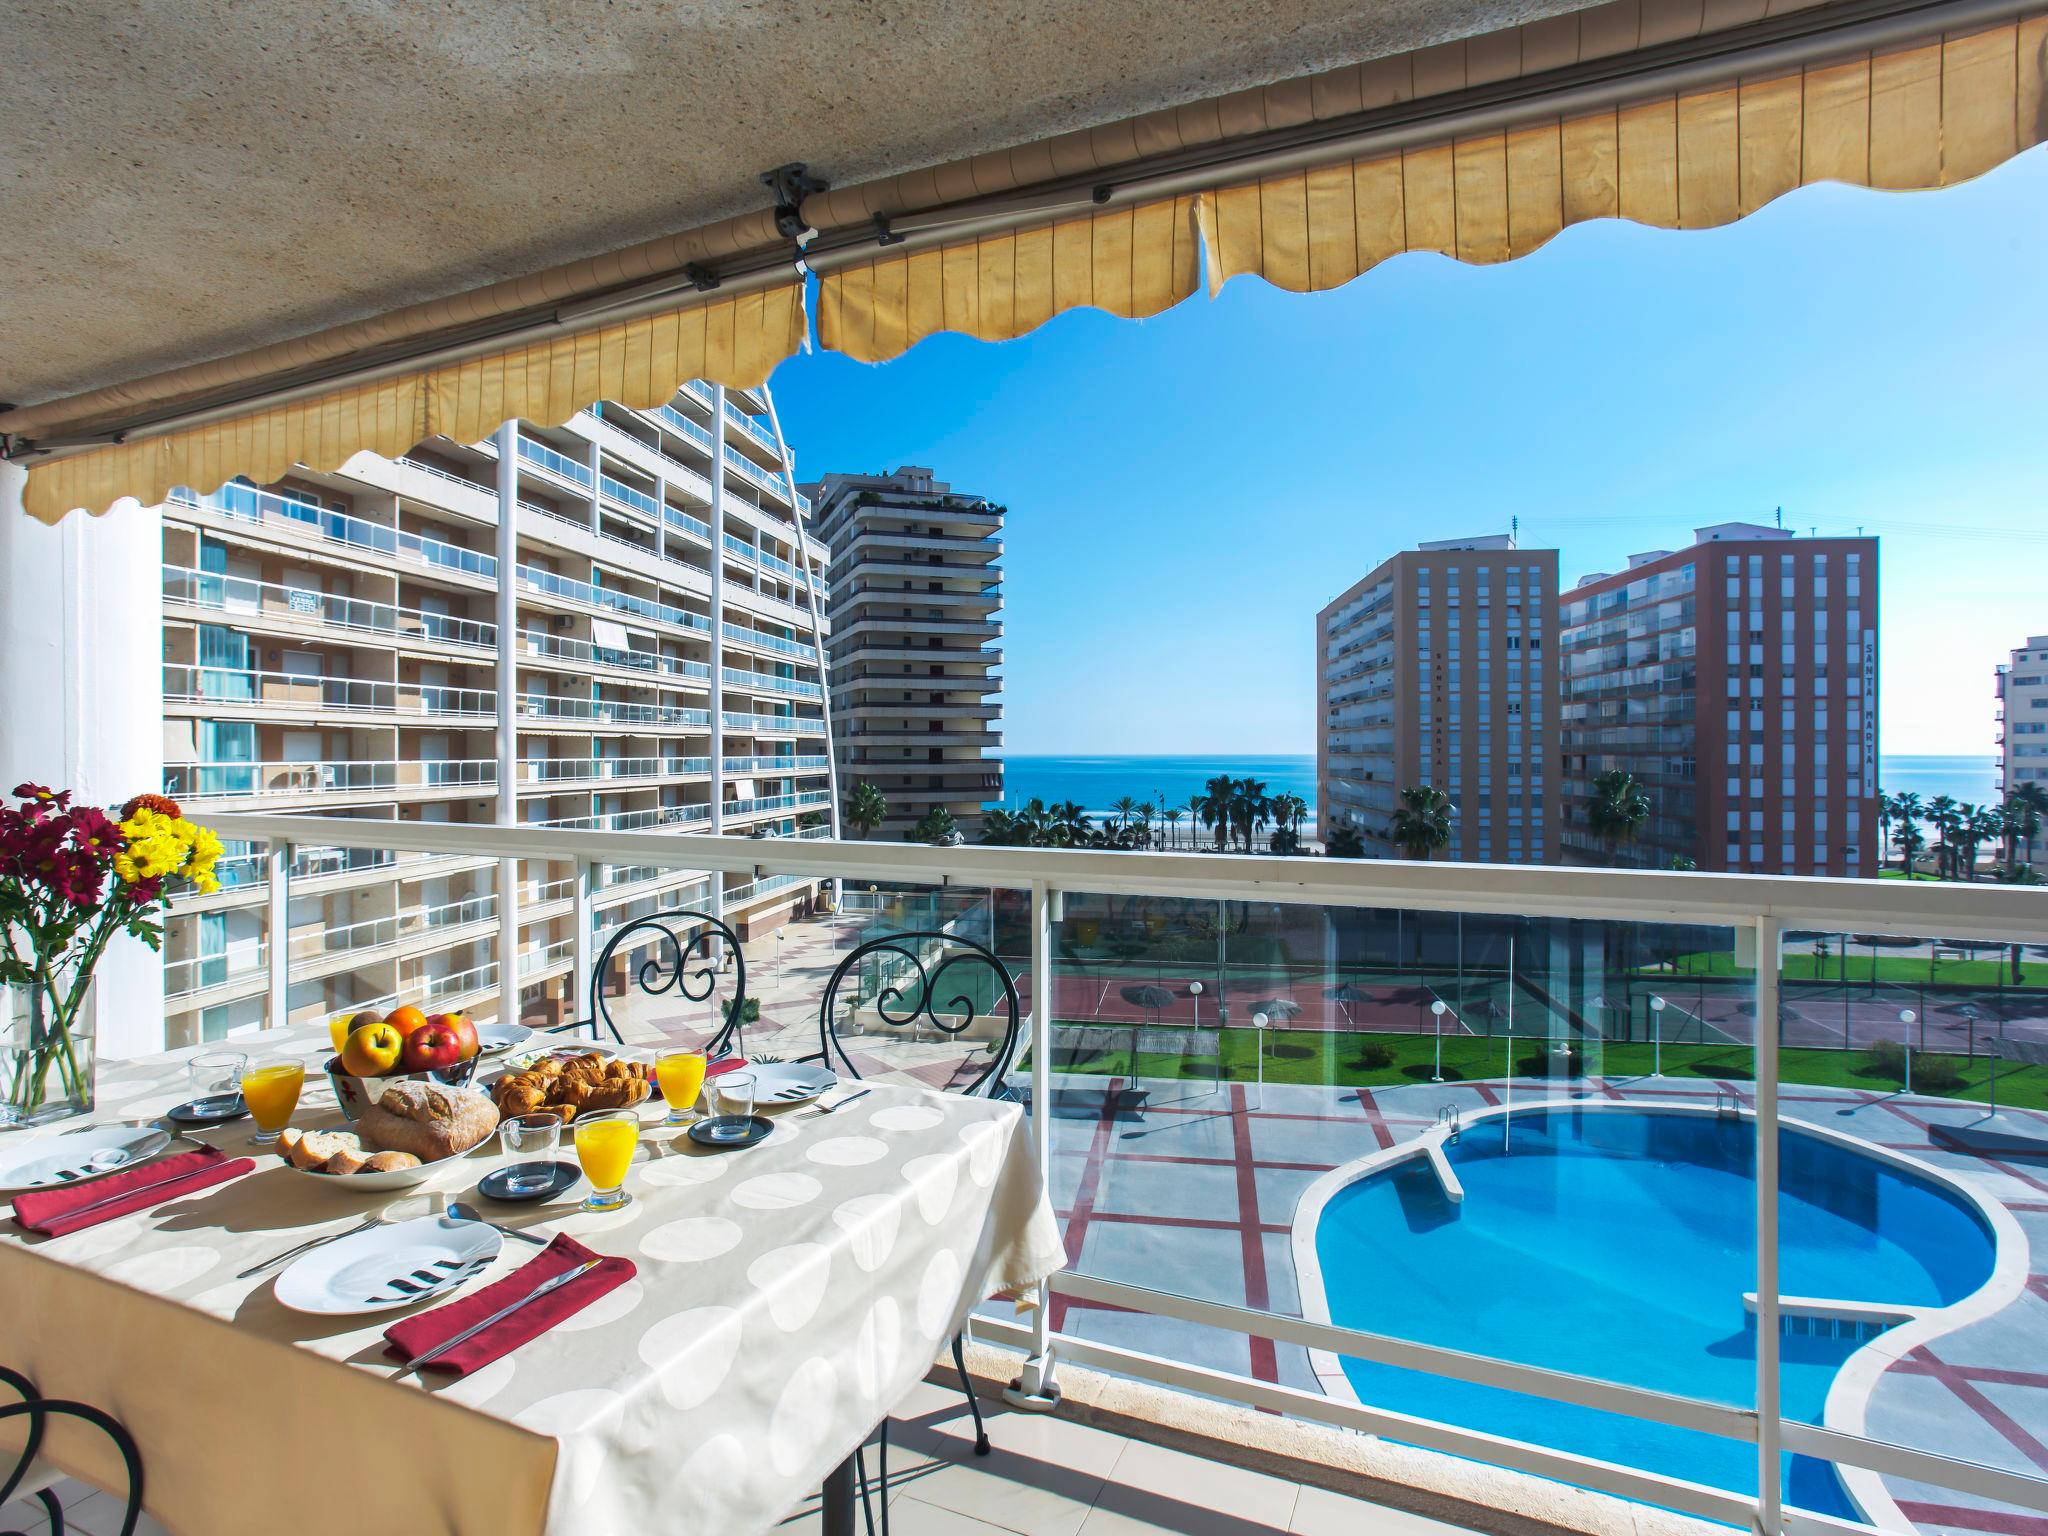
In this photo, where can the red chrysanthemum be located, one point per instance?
(163, 805)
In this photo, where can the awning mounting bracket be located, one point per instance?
(789, 185)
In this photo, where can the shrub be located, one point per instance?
(1931, 1074)
(750, 1016)
(1888, 1059)
(1373, 1056)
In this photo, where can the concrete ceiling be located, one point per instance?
(189, 178)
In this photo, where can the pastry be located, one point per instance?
(428, 1120)
(569, 1086)
(389, 1162)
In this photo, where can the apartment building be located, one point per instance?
(2023, 721)
(916, 610)
(1737, 680)
(334, 644)
(1437, 669)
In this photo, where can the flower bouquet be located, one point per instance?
(71, 879)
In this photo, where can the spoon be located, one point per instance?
(463, 1211)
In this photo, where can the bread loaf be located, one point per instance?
(389, 1162)
(428, 1120)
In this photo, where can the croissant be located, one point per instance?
(573, 1085)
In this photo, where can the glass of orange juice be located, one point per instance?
(604, 1146)
(270, 1087)
(681, 1075)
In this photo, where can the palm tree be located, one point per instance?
(1344, 843)
(1941, 810)
(1423, 823)
(1980, 824)
(1616, 810)
(1172, 814)
(1907, 813)
(1126, 810)
(936, 827)
(2024, 809)
(1250, 809)
(1212, 807)
(1070, 825)
(866, 808)
(998, 827)
(1887, 807)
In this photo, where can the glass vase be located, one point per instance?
(46, 1054)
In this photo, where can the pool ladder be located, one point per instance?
(1448, 1121)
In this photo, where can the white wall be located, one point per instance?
(81, 694)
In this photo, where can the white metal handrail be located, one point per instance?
(1760, 906)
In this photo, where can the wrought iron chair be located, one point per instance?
(38, 1410)
(914, 995)
(678, 936)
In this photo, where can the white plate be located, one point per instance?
(396, 1178)
(389, 1266)
(78, 1155)
(497, 1039)
(788, 1082)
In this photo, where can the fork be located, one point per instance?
(309, 1245)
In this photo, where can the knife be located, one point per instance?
(129, 1194)
(553, 1283)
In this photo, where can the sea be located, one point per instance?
(1099, 782)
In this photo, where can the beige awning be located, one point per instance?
(641, 362)
(1676, 113)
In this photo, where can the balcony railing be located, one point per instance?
(794, 648)
(554, 770)
(541, 643)
(775, 725)
(206, 781)
(605, 597)
(1593, 992)
(226, 687)
(252, 602)
(769, 683)
(560, 463)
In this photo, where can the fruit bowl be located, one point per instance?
(356, 1094)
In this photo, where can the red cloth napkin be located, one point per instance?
(417, 1335)
(724, 1064)
(47, 1212)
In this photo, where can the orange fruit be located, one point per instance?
(406, 1019)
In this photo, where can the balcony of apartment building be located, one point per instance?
(1638, 1026)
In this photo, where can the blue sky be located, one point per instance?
(1186, 492)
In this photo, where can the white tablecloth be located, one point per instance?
(787, 1296)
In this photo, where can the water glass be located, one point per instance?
(732, 1100)
(217, 1075)
(530, 1143)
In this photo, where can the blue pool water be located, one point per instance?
(1618, 1244)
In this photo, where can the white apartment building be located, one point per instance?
(2023, 721)
(336, 644)
(916, 617)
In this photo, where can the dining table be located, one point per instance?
(782, 1298)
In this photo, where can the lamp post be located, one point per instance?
(1907, 1018)
(1656, 1037)
(1195, 992)
(1437, 1072)
(1259, 1046)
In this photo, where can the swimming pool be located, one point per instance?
(1617, 1242)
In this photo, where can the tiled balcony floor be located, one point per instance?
(1044, 1477)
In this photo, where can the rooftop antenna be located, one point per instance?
(1515, 530)
(1781, 519)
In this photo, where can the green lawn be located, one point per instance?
(1315, 1056)
(1865, 968)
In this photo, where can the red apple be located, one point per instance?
(464, 1030)
(432, 1046)
(372, 1050)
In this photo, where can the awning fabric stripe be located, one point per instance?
(734, 341)
(1130, 262)
(1917, 117)
(1925, 115)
